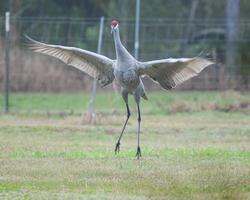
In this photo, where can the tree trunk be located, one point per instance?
(189, 26)
(232, 57)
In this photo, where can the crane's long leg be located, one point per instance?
(125, 97)
(138, 153)
(117, 147)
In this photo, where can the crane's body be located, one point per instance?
(125, 67)
(126, 70)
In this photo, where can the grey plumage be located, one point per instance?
(126, 70)
(172, 72)
(93, 64)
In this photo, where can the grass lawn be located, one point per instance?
(195, 145)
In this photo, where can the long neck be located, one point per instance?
(122, 55)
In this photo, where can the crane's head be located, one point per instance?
(114, 25)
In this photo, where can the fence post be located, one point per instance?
(91, 108)
(7, 62)
(137, 28)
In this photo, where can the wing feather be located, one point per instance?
(95, 65)
(172, 72)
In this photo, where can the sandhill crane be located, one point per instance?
(126, 70)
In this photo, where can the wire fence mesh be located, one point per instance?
(159, 38)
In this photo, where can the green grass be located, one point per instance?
(189, 150)
(212, 153)
(164, 102)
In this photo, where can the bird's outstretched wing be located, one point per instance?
(95, 65)
(171, 72)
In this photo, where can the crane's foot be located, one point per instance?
(138, 153)
(117, 147)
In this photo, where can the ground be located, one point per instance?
(195, 145)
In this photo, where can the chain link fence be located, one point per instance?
(159, 38)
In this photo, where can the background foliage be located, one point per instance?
(168, 29)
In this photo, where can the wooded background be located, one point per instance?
(180, 28)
